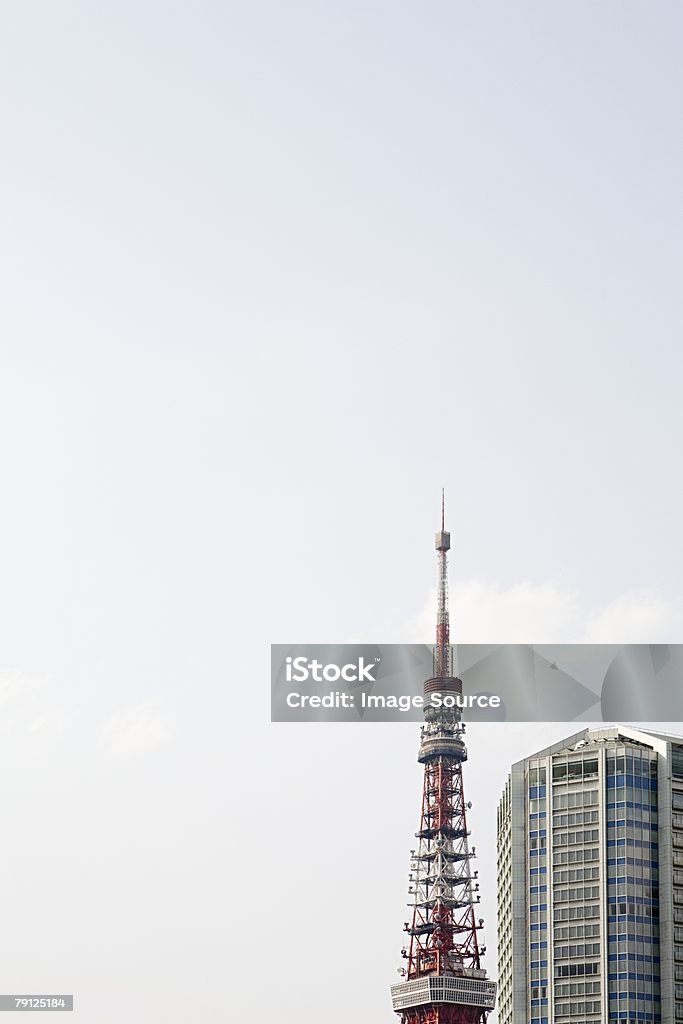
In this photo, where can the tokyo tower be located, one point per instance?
(444, 980)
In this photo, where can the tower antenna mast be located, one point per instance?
(442, 650)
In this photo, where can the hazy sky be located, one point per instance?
(272, 274)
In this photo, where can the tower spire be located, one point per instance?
(442, 650)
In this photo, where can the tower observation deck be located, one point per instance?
(444, 980)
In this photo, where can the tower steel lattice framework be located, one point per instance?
(444, 980)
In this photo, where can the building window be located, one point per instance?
(573, 771)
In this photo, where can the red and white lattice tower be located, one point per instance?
(444, 980)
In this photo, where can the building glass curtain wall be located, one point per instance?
(590, 881)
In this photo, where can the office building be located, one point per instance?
(590, 881)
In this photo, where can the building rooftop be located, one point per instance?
(608, 734)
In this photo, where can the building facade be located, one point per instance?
(590, 881)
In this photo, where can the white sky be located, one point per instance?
(272, 274)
